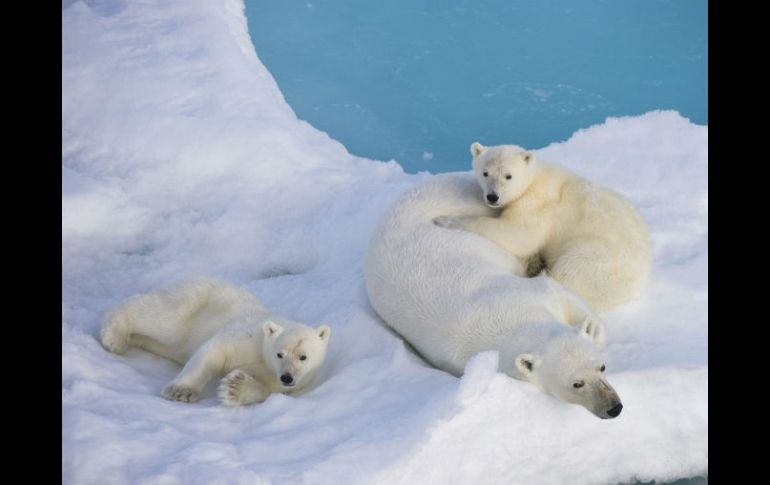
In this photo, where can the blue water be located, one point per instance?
(418, 81)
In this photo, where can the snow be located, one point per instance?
(180, 157)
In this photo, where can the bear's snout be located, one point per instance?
(615, 411)
(288, 379)
(492, 197)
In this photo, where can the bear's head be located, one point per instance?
(294, 353)
(571, 369)
(504, 172)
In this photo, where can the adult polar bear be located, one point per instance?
(453, 294)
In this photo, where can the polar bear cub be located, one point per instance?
(215, 329)
(588, 237)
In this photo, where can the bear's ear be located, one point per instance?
(477, 149)
(271, 329)
(593, 329)
(526, 364)
(528, 157)
(324, 332)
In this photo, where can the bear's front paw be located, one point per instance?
(230, 388)
(238, 388)
(174, 392)
(447, 221)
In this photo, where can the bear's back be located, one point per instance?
(447, 292)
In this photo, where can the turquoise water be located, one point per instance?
(417, 81)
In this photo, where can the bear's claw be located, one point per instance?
(173, 392)
(231, 386)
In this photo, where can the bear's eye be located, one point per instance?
(578, 384)
(486, 174)
(602, 368)
(508, 177)
(280, 355)
(303, 357)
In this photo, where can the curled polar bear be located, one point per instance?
(585, 236)
(453, 294)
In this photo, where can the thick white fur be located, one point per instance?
(453, 294)
(590, 239)
(213, 329)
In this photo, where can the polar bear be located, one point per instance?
(215, 329)
(452, 294)
(588, 237)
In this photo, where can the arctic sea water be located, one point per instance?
(417, 80)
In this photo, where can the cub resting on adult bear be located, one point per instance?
(588, 237)
(452, 294)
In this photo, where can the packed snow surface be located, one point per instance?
(180, 157)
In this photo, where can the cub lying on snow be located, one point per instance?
(589, 238)
(215, 329)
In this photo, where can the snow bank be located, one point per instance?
(181, 157)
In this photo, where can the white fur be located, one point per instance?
(213, 329)
(452, 294)
(590, 238)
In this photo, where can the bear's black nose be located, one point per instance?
(288, 379)
(615, 411)
(492, 198)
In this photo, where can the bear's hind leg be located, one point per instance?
(587, 269)
(116, 332)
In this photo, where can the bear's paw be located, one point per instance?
(233, 388)
(174, 392)
(448, 222)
